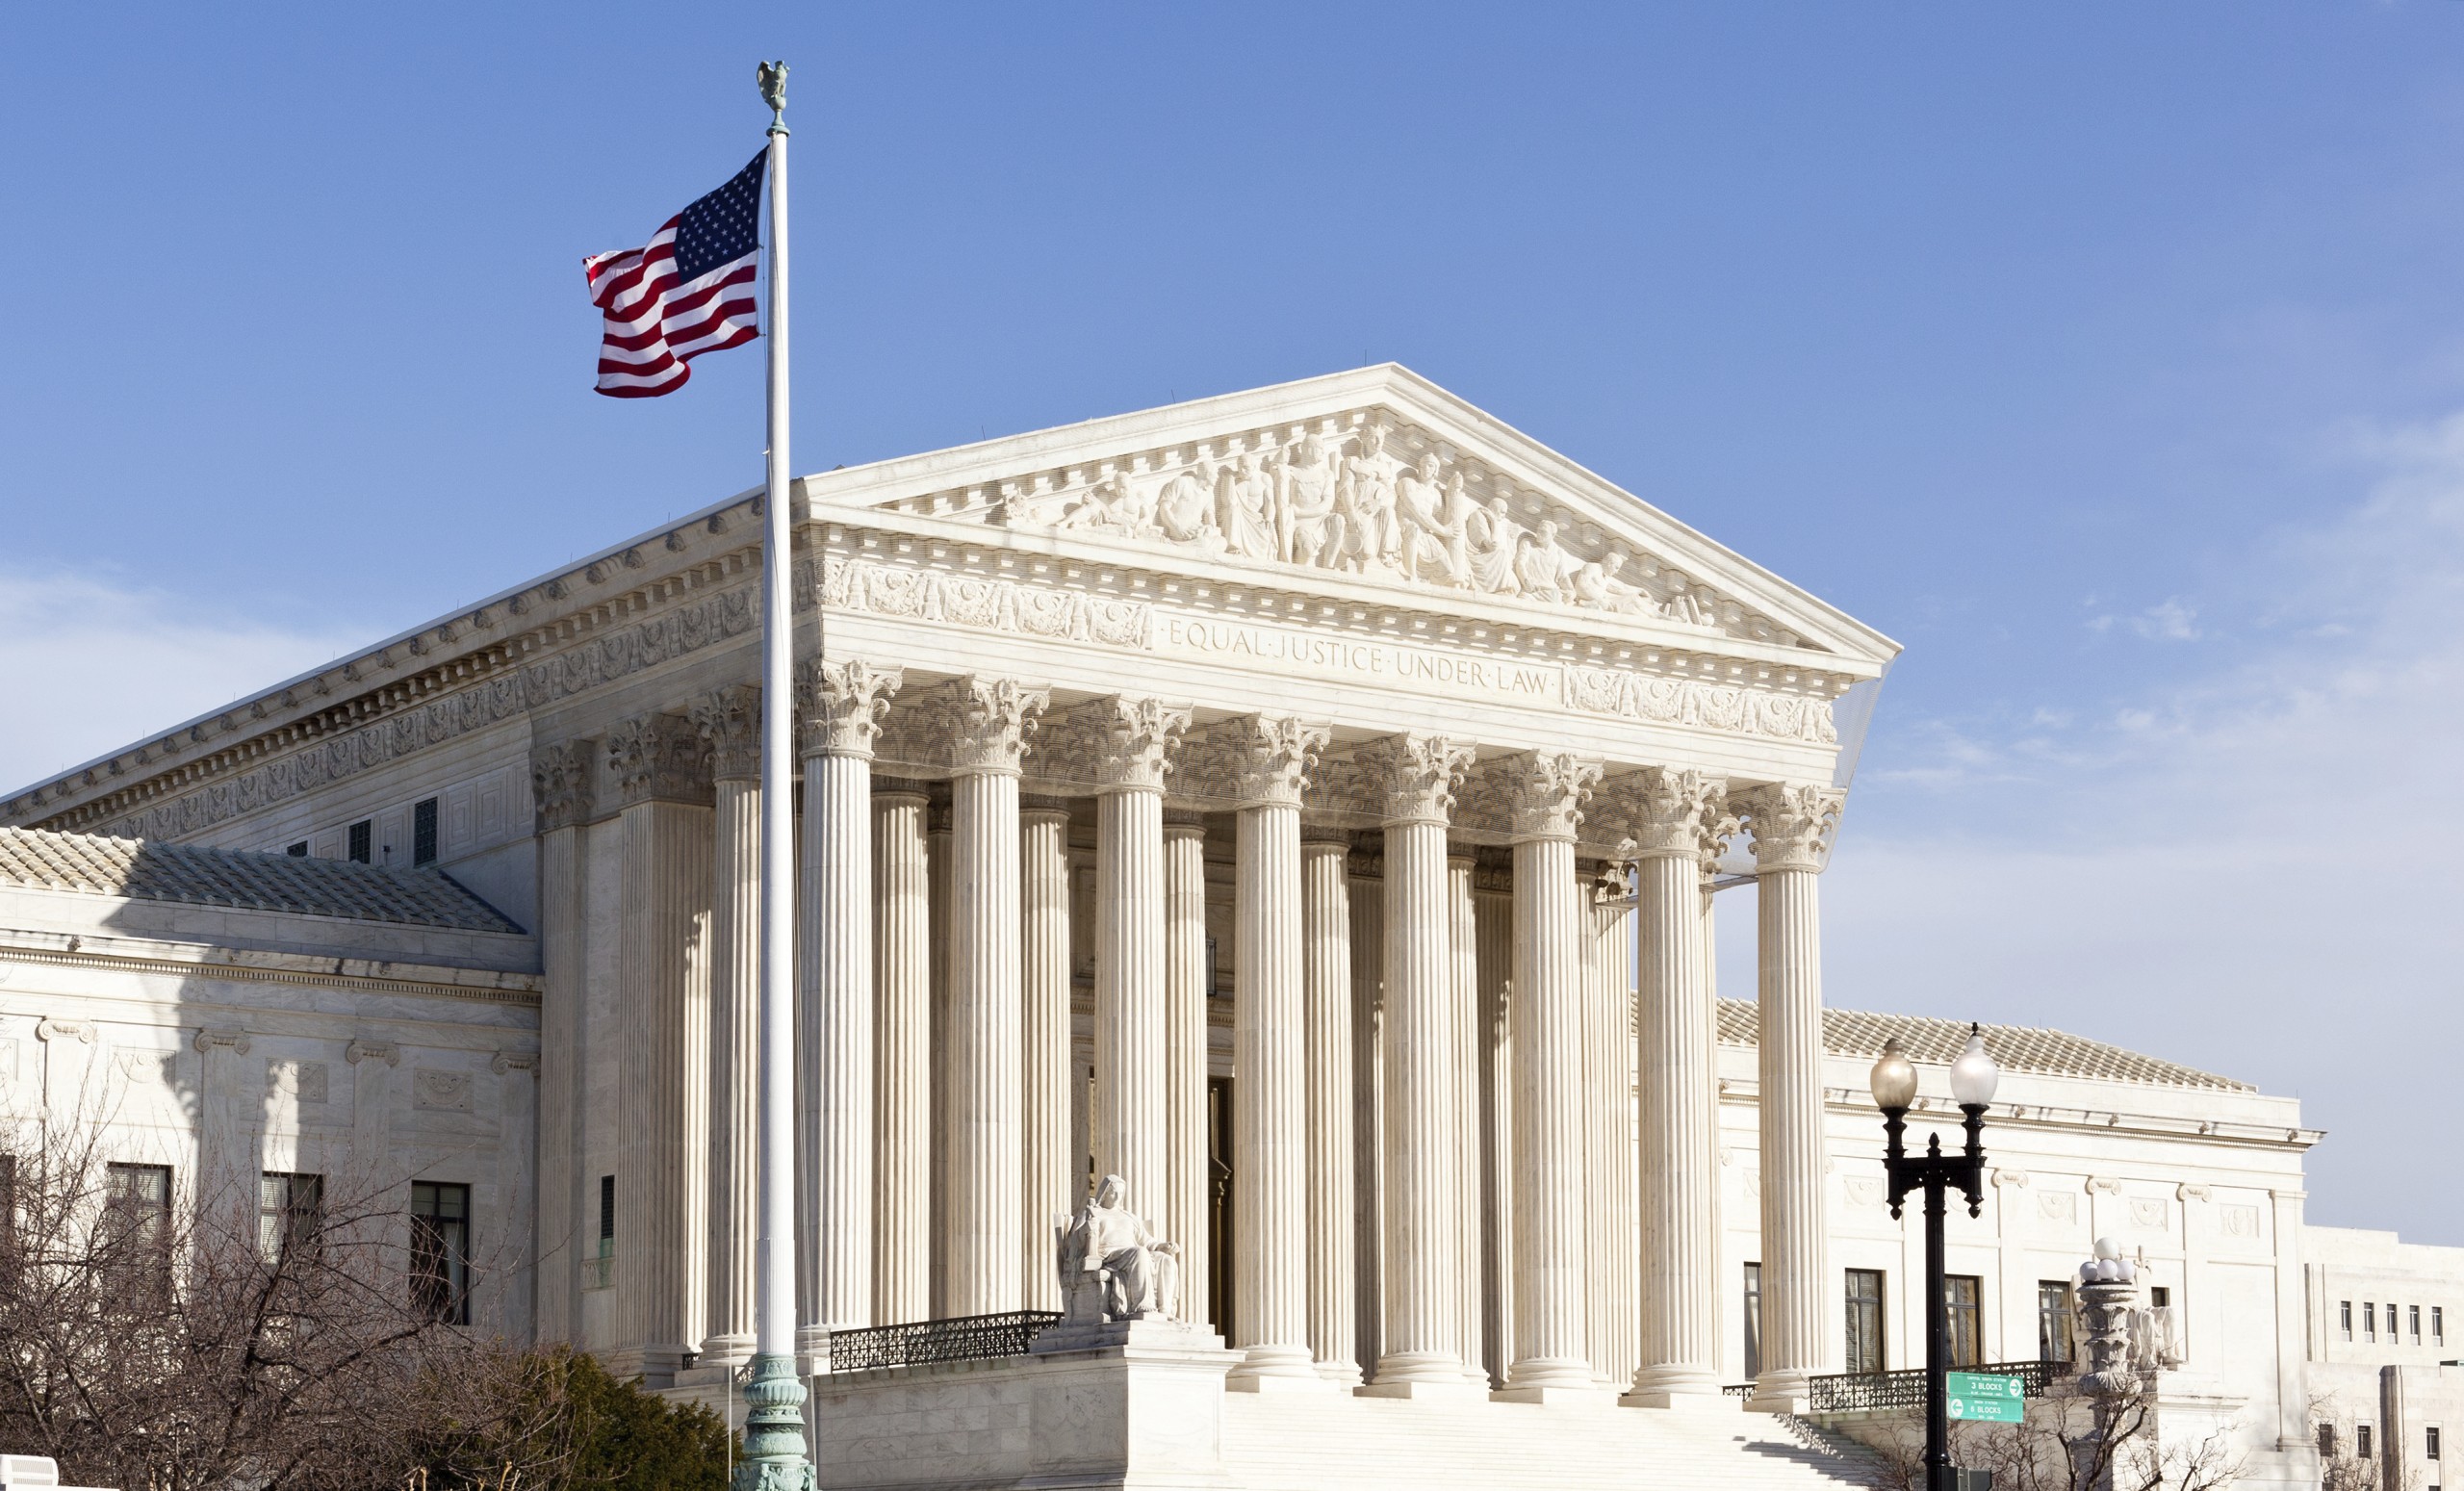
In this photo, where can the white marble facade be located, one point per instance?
(1308, 803)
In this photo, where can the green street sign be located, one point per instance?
(1990, 1396)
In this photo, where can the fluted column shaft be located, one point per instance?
(1792, 826)
(1129, 1135)
(1551, 1024)
(560, 779)
(1616, 1226)
(1674, 1054)
(941, 859)
(1463, 934)
(664, 996)
(1492, 916)
(1367, 894)
(735, 1032)
(903, 1097)
(1327, 1000)
(1423, 1128)
(1043, 834)
(988, 721)
(1185, 1213)
(1270, 1097)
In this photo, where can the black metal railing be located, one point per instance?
(957, 1339)
(1853, 1392)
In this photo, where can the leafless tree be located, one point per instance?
(303, 1338)
(2073, 1441)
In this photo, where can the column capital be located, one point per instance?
(385, 1051)
(730, 719)
(1121, 741)
(1262, 759)
(1792, 824)
(232, 1038)
(984, 722)
(1417, 775)
(658, 757)
(841, 704)
(1547, 793)
(1662, 812)
(561, 775)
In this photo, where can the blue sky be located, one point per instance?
(2109, 357)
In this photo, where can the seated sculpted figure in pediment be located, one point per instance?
(1111, 1268)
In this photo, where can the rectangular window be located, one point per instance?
(2158, 1297)
(423, 832)
(137, 1221)
(2347, 1306)
(441, 1250)
(1753, 1321)
(2053, 1321)
(2369, 1321)
(2438, 1325)
(2361, 1440)
(2429, 1443)
(291, 1210)
(2413, 1321)
(8, 1210)
(1866, 1342)
(598, 1268)
(363, 846)
(1964, 1293)
(299, 850)
(2326, 1442)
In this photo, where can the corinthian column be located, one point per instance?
(730, 720)
(1678, 819)
(1269, 1081)
(663, 996)
(841, 704)
(1615, 1162)
(1051, 1174)
(1185, 1215)
(1548, 1024)
(903, 1096)
(1326, 1011)
(985, 723)
(1423, 1128)
(1123, 741)
(1464, 933)
(1792, 826)
(1493, 922)
(560, 781)
(1365, 881)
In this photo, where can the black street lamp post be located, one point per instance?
(1973, 1076)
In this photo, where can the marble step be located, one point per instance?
(1334, 1443)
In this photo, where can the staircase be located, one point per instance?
(1336, 1441)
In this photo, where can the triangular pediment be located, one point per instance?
(1371, 476)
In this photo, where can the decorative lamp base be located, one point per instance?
(774, 1430)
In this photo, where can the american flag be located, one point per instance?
(688, 291)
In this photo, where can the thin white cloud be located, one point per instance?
(2254, 870)
(2169, 620)
(88, 664)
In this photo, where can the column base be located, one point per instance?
(1784, 1390)
(1558, 1396)
(1283, 1364)
(1339, 1373)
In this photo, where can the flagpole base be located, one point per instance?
(774, 1430)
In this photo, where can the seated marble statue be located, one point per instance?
(1111, 1268)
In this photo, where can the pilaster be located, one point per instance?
(729, 721)
(561, 775)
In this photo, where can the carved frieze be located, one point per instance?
(438, 1090)
(989, 604)
(1696, 705)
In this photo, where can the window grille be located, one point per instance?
(363, 841)
(1866, 1344)
(2054, 1320)
(423, 832)
(291, 1210)
(1964, 1293)
(441, 1250)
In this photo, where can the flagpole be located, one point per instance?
(774, 1441)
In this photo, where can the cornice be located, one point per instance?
(523, 992)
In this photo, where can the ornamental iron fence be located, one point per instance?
(957, 1339)
(1854, 1392)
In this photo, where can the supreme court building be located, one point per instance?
(1309, 804)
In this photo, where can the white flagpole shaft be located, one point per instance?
(774, 1322)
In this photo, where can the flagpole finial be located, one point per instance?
(773, 77)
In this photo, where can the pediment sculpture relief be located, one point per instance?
(1347, 503)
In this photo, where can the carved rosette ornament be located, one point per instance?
(1668, 812)
(984, 723)
(560, 781)
(730, 719)
(840, 706)
(1792, 825)
(658, 757)
(1548, 790)
(1119, 743)
(1419, 774)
